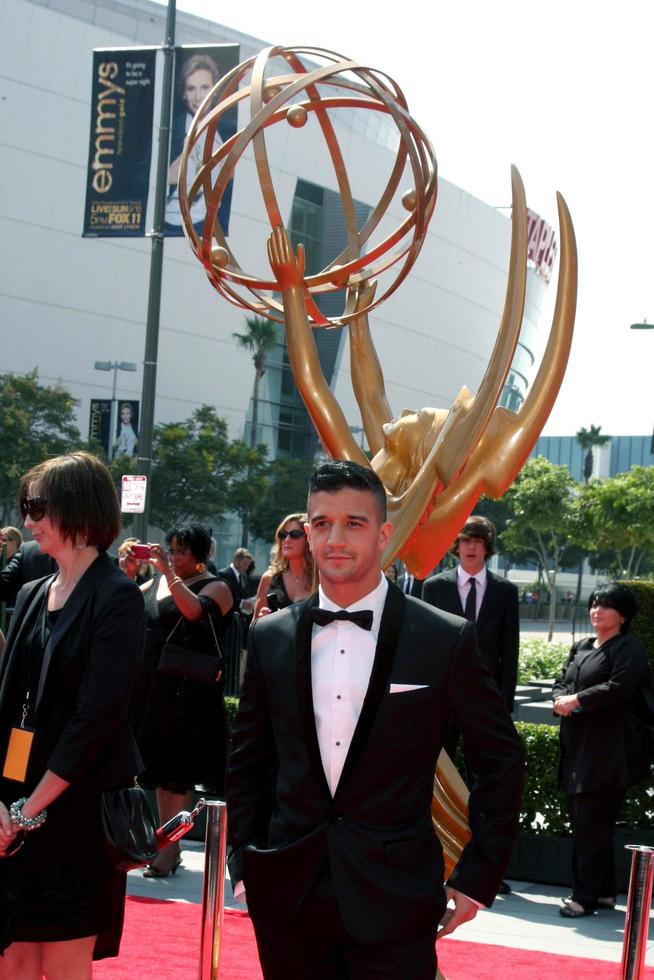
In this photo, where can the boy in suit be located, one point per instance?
(329, 782)
(488, 601)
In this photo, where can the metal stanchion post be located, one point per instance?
(213, 890)
(637, 918)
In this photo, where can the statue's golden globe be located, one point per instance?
(293, 85)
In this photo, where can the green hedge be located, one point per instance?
(643, 625)
(540, 660)
(544, 810)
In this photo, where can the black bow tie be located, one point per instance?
(361, 617)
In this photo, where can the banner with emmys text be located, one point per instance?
(120, 145)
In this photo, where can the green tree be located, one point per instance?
(37, 421)
(197, 470)
(288, 480)
(259, 340)
(543, 519)
(588, 439)
(617, 517)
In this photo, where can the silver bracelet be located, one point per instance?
(20, 820)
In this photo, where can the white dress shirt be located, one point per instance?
(462, 584)
(342, 655)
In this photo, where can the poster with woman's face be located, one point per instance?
(197, 70)
(126, 437)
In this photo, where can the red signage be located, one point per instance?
(541, 245)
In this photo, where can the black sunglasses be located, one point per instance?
(35, 507)
(295, 534)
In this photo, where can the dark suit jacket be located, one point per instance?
(28, 563)
(385, 859)
(416, 586)
(233, 581)
(90, 662)
(498, 624)
(596, 750)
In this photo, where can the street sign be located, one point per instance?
(132, 497)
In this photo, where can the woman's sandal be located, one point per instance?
(573, 910)
(152, 871)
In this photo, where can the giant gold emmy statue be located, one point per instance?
(434, 463)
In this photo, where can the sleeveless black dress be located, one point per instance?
(277, 586)
(180, 724)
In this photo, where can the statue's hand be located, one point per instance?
(288, 270)
(365, 295)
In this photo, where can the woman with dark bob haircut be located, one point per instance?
(73, 649)
(179, 722)
(602, 697)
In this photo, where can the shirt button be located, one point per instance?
(338, 743)
(342, 651)
(338, 697)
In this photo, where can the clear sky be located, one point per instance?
(562, 89)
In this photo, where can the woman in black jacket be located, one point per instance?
(72, 652)
(599, 699)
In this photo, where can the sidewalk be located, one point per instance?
(528, 918)
(539, 629)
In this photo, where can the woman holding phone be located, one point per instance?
(180, 722)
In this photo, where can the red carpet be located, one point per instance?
(161, 941)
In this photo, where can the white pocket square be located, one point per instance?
(402, 688)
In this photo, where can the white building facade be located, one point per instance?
(68, 301)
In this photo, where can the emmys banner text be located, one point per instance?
(120, 143)
(120, 146)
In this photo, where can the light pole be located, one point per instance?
(114, 366)
(645, 326)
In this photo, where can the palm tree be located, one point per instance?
(259, 340)
(588, 439)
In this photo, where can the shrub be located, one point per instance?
(539, 659)
(643, 624)
(544, 809)
(231, 707)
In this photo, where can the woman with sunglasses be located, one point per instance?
(73, 650)
(290, 576)
(179, 722)
(602, 697)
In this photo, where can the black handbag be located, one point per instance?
(129, 829)
(193, 665)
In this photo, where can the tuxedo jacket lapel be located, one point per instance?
(304, 691)
(488, 599)
(455, 599)
(389, 632)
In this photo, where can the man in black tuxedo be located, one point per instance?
(329, 781)
(471, 590)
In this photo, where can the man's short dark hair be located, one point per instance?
(477, 527)
(343, 474)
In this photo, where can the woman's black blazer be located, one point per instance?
(90, 662)
(596, 750)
